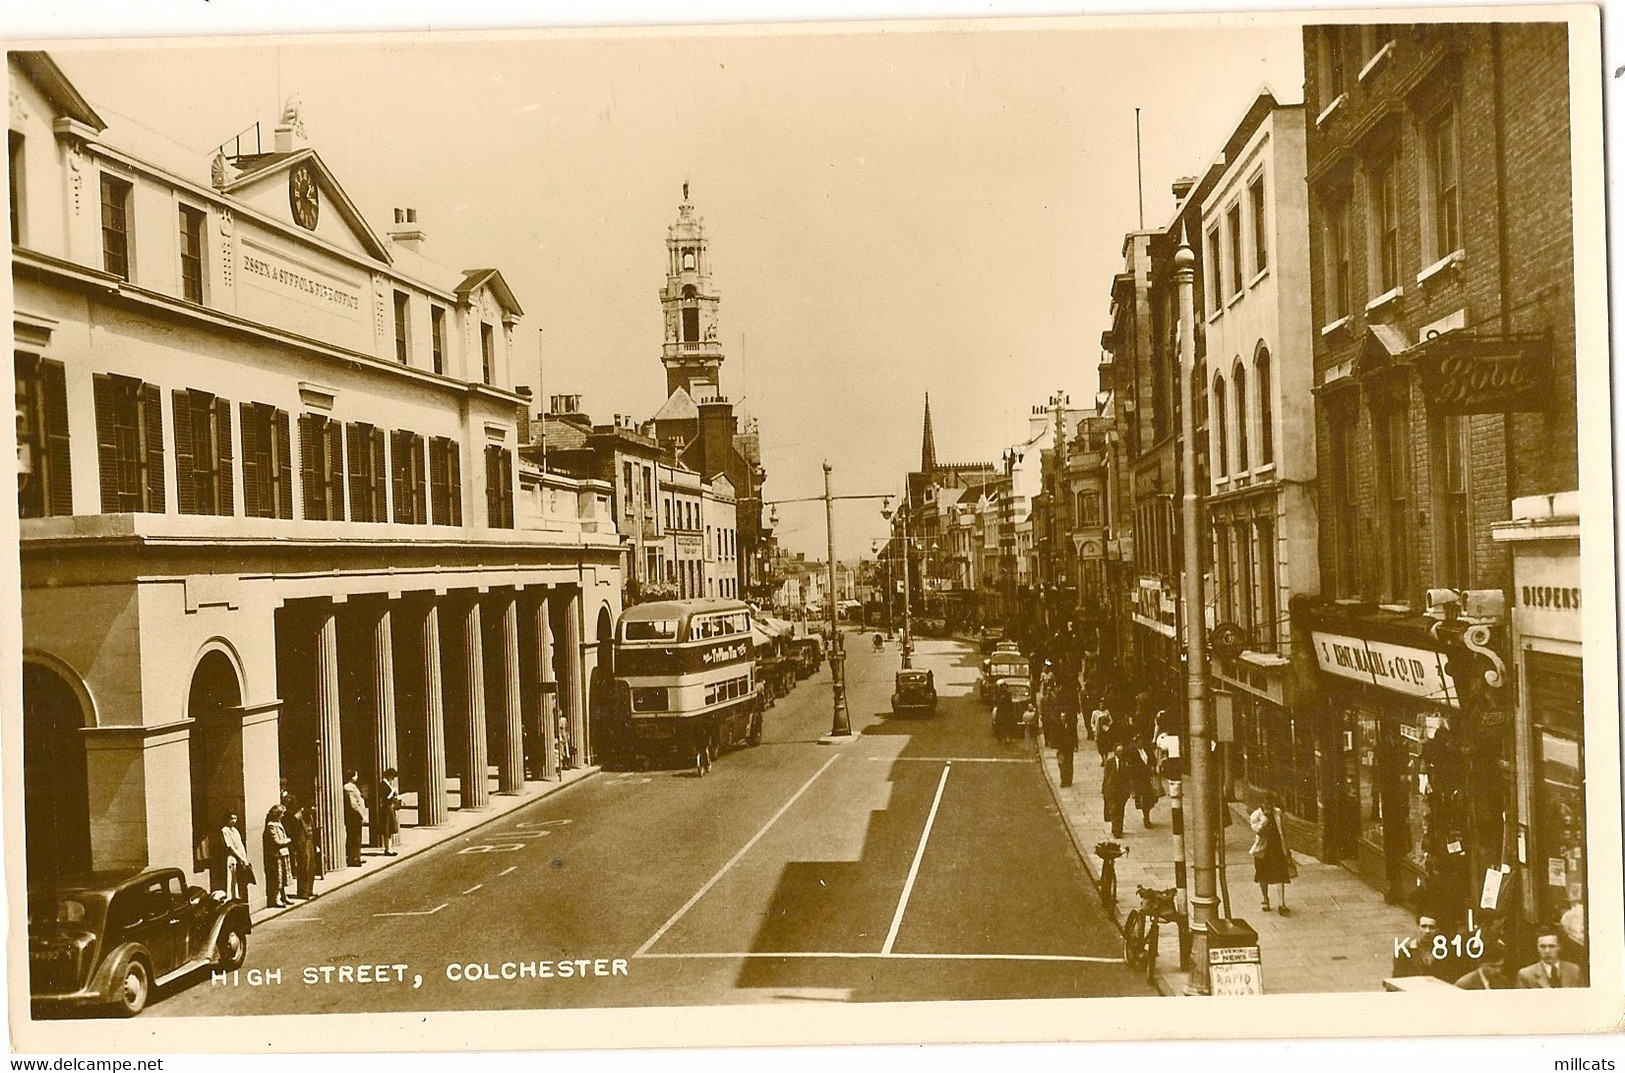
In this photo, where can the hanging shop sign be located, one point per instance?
(1415, 672)
(1469, 373)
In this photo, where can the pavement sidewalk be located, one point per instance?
(1338, 937)
(416, 840)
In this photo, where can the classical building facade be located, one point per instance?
(268, 504)
(1442, 249)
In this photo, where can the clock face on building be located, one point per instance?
(302, 196)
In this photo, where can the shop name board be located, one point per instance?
(723, 655)
(1546, 594)
(690, 545)
(263, 266)
(1549, 597)
(1416, 672)
(1487, 374)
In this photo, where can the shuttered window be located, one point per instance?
(129, 445)
(267, 462)
(408, 478)
(44, 481)
(321, 467)
(203, 454)
(368, 478)
(498, 487)
(445, 481)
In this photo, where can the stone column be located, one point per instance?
(511, 759)
(330, 754)
(383, 711)
(570, 684)
(432, 795)
(549, 718)
(473, 793)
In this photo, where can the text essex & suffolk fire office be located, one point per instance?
(457, 972)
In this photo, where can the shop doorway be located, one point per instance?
(56, 785)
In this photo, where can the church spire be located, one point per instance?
(928, 444)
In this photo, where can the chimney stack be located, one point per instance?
(523, 412)
(406, 231)
(1182, 186)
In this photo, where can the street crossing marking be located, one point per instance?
(735, 859)
(881, 956)
(417, 913)
(499, 847)
(914, 869)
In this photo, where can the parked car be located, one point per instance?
(1013, 711)
(914, 691)
(1002, 664)
(111, 938)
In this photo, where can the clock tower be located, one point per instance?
(691, 353)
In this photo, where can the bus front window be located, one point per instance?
(657, 630)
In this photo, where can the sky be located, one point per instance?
(890, 212)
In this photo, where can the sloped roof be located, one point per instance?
(254, 170)
(679, 407)
(475, 278)
(562, 435)
(49, 79)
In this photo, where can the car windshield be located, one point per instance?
(63, 911)
(1008, 668)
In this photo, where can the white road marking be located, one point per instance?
(893, 956)
(510, 868)
(496, 847)
(955, 759)
(543, 823)
(735, 859)
(474, 888)
(418, 913)
(914, 869)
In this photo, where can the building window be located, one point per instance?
(203, 462)
(1243, 463)
(1215, 271)
(1455, 535)
(488, 353)
(267, 462)
(402, 313)
(498, 486)
(1088, 508)
(191, 254)
(368, 476)
(1393, 459)
(1331, 66)
(44, 480)
(1382, 184)
(1266, 407)
(1373, 36)
(408, 479)
(1221, 429)
(1224, 572)
(437, 337)
(1246, 594)
(648, 490)
(1335, 224)
(14, 157)
(116, 226)
(1232, 220)
(1261, 235)
(445, 481)
(130, 445)
(1345, 505)
(321, 467)
(1268, 635)
(1442, 204)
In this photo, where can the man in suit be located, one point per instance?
(355, 814)
(1551, 970)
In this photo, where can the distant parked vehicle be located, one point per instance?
(111, 938)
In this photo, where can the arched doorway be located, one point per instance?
(215, 750)
(606, 732)
(56, 787)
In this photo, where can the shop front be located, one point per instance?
(1544, 536)
(1277, 746)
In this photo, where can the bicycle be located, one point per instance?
(1108, 852)
(1142, 929)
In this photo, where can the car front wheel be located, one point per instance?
(133, 990)
(232, 948)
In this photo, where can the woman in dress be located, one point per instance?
(278, 856)
(1271, 859)
(390, 820)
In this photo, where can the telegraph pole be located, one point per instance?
(1199, 761)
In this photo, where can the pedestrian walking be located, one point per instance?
(1143, 781)
(278, 858)
(355, 815)
(1272, 861)
(230, 871)
(300, 825)
(1049, 703)
(1103, 732)
(1065, 741)
(566, 753)
(1115, 789)
(390, 811)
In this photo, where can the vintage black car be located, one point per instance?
(111, 938)
(914, 691)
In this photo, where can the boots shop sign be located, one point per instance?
(1466, 373)
(1416, 672)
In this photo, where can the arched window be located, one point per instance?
(1266, 407)
(691, 315)
(1242, 462)
(1221, 431)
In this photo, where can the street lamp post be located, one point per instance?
(1204, 900)
(842, 726)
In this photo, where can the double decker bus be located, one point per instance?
(685, 672)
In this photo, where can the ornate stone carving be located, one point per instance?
(76, 176)
(228, 246)
(380, 305)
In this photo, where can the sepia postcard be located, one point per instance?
(1006, 529)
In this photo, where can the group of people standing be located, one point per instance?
(291, 843)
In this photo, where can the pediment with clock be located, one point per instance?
(298, 189)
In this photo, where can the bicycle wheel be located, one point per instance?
(1134, 939)
(1149, 950)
